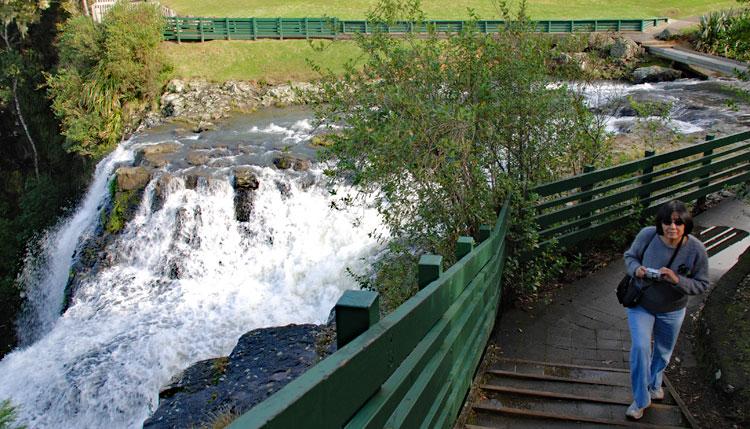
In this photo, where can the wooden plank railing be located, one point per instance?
(589, 204)
(184, 28)
(412, 368)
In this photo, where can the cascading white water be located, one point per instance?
(186, 281)
(45, 273)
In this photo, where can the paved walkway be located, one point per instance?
(584, 324)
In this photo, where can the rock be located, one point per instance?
(172, 105)
(321, 140)
(624, 49)
(132, 178)
(176, 85)
(195, 157)
(264, 361)
(161, 189)
(665, 35)
(284, 188)
(582, 60)
(205, 125)
(160, 148)
(244, 178)
(600, 41)
(655, 74)
(283, 162)
(244, 201)
(301, 164)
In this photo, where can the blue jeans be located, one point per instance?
(647, 368)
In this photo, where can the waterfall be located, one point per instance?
(183, 281)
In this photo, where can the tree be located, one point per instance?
(17, 16)
(440, 130)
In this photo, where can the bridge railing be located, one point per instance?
(589, 204)
(414, 367)
(184, 28)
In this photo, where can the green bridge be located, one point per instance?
(184, 28)
(414, 367)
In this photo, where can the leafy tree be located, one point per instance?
(440, 130)
(108, 73)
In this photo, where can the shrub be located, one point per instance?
(441, 130)
(108, 73)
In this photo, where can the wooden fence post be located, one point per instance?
(464, 246)
(200, 28)
(356, 311)
(484, 232)
(226, 28)
(429, 269)
(255, 29)
(280, 27)
(648, 169)
(702, 200)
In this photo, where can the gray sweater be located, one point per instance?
(691, 265)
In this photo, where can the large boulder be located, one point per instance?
(132, 178)
(600, 41)
(624, 49)
(197, 157)
(655, 74)
(264, 361)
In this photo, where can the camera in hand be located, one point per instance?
(652, 274)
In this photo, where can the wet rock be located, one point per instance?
(131, 178)
(161, 189)
(655, 74)
(301, 164)
(244, 178)
(205, 125)
(283, 162)
(244, 201)
(156, 156)
(264, 361)
(195, 157)
(624, 49)
(284, 188)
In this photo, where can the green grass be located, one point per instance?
(269, 60)
(448, 9)
(281, 61)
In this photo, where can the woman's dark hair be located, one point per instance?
(665, 215)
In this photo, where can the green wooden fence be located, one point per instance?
(592, 203)
(182, 28)
(412, 368)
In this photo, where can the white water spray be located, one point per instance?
(185, 281)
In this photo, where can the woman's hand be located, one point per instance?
(669, 275)
(640, 272)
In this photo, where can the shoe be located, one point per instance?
(657, 394)
(634, 412)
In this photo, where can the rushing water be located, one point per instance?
(133, 325)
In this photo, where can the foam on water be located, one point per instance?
(186, 282)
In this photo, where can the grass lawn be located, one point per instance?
(271, 60)
(280, 61)
(447, 9)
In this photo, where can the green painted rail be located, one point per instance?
(414, 367)
(193, 29)
(593, 203)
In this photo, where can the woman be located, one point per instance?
(662, 307)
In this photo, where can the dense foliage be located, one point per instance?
(725, 33)
(109, 73)
(441, 130)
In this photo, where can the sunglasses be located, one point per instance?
(677, 222)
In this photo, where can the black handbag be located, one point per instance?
(628, 293)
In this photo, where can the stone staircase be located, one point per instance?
(519, 393)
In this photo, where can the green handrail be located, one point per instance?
(190, 28)
(412, 368)
(582, 206)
